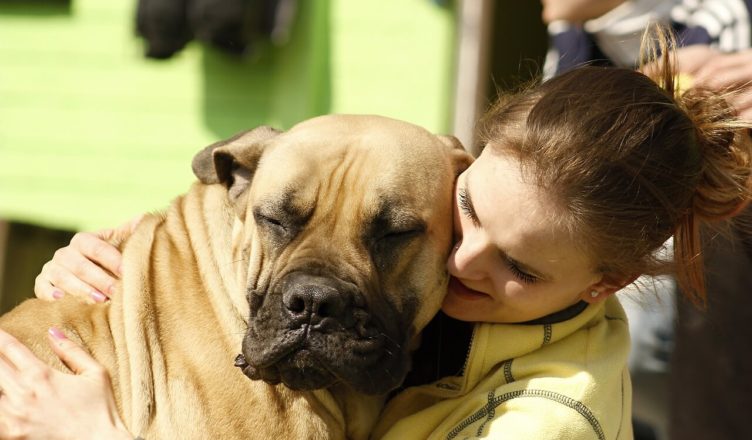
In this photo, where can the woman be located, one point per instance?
(581, 180)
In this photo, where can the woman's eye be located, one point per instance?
(466, 206)
(519, 274)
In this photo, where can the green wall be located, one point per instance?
(92, 133)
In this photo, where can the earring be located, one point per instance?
(594, 293)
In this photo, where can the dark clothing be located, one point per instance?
(711, 369)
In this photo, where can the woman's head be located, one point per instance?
(512, 262)
(616, 164)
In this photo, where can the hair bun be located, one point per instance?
(723, 144)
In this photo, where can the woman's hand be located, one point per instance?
(39, 402)
(89, 267)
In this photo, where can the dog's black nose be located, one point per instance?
(314, 300)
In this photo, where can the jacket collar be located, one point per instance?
(494, 343)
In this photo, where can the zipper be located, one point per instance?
(452, 385)
(469, 349)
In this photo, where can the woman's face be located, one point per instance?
(510, 263)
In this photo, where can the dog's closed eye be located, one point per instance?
(402, 234)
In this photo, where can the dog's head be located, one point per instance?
(346, 227)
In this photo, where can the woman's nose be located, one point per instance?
(467, 259)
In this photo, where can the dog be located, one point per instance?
(317, 253)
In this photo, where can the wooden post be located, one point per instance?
(3, 251)
(474, 31)
(27, 248)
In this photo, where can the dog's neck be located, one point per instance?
(358, 412)
(204, 216)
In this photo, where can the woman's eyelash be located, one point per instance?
(467, 207)
(522, 276)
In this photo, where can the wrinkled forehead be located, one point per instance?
(375, 137)
(378, 158)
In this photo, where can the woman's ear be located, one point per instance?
(607, 286)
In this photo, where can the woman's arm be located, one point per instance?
(89, 267)
(730, 72)
(725, 72)
(576, 11)
(39, 402)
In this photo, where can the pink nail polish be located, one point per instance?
(57, 294)
(57, 334)
(97, 296)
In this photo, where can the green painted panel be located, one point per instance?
(394, 57)
(92, 133)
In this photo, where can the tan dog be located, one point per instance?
(318, 253)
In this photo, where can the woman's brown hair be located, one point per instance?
(631, 161)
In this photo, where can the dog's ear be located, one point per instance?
(243, 148)
(233, 161)
(461, 159)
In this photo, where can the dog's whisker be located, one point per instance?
(237, 261)
(368, 373)
(395, 343)
(391, 376)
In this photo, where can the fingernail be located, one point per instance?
(57, 334)
(57, 294)
(97, 296)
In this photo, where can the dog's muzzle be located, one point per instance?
(317, 331)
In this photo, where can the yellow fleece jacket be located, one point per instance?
(566, 380)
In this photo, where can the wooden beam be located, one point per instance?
(3, 251)
(27, 248)
(474, 41)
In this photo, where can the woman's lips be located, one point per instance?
(459, 289)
